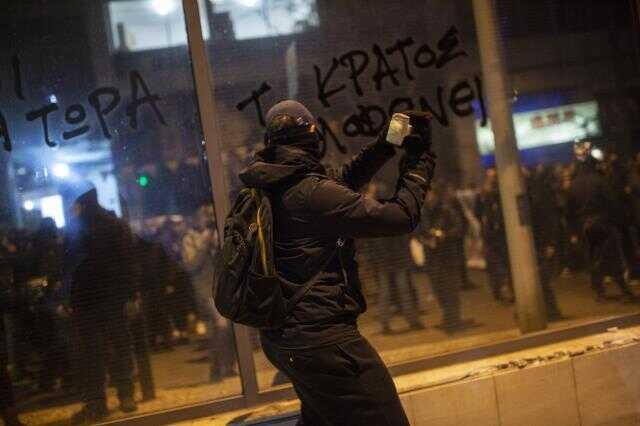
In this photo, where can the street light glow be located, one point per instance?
(61, 170)
(29, 205)
(597, 154)
(163, 7)
(248, 3)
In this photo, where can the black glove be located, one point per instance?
(425, 163)
(420, 126)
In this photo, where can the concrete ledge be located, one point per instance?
(608, 387)
(592, 380)
(602, 388)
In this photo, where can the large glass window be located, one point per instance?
(107, 224)
(107, 229)
(449, 286)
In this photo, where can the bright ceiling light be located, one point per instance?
(61, 170)
(163, 7)
(248, 3)
(29, 205)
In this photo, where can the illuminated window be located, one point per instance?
(149, 24)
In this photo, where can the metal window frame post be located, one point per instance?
(206, 106)
(515, 202)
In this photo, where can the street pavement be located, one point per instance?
(182, 374)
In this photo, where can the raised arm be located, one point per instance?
(334, 206)
(362, 168)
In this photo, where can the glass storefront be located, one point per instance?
(107, 223)
(108, 227)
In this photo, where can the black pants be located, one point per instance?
(605, 256)
(341, 384)
(139, 334)
(446, 288)
(6, 389)
(401, 284)
(99, 331)
(546, 268)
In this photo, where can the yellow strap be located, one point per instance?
(263, 244)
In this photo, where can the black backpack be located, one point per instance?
(247, 287)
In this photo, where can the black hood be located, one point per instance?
(276, 165)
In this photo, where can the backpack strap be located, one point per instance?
(291, 303)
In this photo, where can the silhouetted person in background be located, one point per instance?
(198, 248)
(440, 231)
(8, 411)
(458, 239)
(52, 326)
(592, 212)
(397, 288)
(489, 212)
(103, 281)
(545, 218)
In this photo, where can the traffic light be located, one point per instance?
(143, 180)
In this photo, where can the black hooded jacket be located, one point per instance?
(313, 208)
(103, 276)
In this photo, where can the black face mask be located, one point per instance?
(301, 137)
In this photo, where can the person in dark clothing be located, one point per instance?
(396, 285)
(156, 279)
(390, 261)
(489, 212)
(440, 231)
(545, 217)
(52, 326)
(338, 376)
(198, 251)
(102, 283)
(139, 331)
(179, 296)
(591, 212)
(457, 240)
(8, 411)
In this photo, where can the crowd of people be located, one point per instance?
(95, 301)
(585, 217)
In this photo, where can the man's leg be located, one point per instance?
(8, 411)
(408, 297)
(143, 359)
(461, 265)
(597, 283)
(91, 368)
(343, 384)
(548, 295)
(493, 272)
(117, 330)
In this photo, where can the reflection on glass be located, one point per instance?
(107, 229)
(266, 18)
(448, 286)
(138, 25)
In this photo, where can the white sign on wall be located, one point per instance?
(547, 126)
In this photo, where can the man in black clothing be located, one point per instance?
(592, 212)
(102, 282)
(8, 411)
(545, 218)
(489, 211)
(338, 376)
(439, 232)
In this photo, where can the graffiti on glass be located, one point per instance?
(349, 71)
(102, 102)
